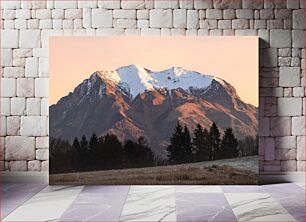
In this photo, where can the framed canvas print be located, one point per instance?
(153, 110)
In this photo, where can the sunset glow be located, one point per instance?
(234, 59)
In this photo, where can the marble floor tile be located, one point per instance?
(203, 207)
(198, 189)
(298, 212)
(242, 189)
(47, 205)
(149, 203)
(106, 189)
(97, 203)
(22, 187)
(283, 188)
(257, 207)
(290, 199)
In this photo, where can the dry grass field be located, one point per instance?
(243, 170)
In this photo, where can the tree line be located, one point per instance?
(107, 152)
(204, 145)
(103, 153)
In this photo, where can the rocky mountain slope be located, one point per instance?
(133, 101)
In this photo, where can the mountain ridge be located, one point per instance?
(134, 101)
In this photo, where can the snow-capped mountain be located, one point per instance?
(133, 101)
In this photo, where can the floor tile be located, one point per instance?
(291, 199)
(242, 189)
(198, 189)
(257, 207)
(203, 207)
(97, 203)
(149, 203)
(283, 188)
(47, 205)
(298, 212)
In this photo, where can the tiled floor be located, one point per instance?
(39, 202)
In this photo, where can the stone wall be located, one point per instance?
(26, 26)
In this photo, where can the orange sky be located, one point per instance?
(234, 59)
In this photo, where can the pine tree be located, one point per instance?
(214, 141)
(200, 143)
(176, 147)
(84, 153)
(229, 144)
(187, 146)
(93, 151)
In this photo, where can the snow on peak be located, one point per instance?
(138, 79)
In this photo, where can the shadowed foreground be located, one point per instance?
(243, 170)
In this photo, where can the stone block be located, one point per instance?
(6, 57)
(73, 13)
(270, 57)
(9, 38)
(269, 149)
(10, 4)
(143, 14)
(18, 166)
(229, 14)
(289, 106)
(293, 4)
(150, 32)
(192, 19)
(280, 38)
(142, 23)
(283, 14)
(13, 125)
(186, 4)
(41, 87)
(123, 13)
(298, 38)
(252, 4)
(8, 87)
(44, 107)
(45, 165)
(179, 18)
(25, 87)
(29, 38)
(285, 142)
(125, 23)
(288, 165)
(102, 18)
(58, 13)
(109, 4)
(214, 14)
(3, 132)
(299, 19)
(280, 126)
(13, 71)
(87, 4)
(42, 154)
(301, 166)
(43, 14)
(33, 106)
(245, 13)
(240, 24)
(224, 24)
(5, 106)
(298, 92)
(109, 32)
(66, 4)
(289, 76)
(298, 126)
(19, 148)
(34, 165)
(42, 142)
(227, 4)
(43, 68)
(301, 148)
(165, 4)
(285, 154)
(160, 18)
(31, 67)
(33, 126)
(18, 106)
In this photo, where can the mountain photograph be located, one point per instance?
(134, 117)
(146, 110)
